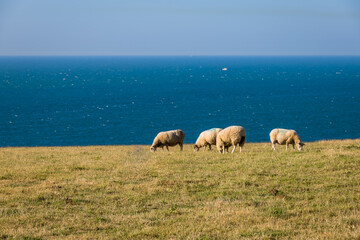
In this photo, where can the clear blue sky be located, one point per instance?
(173, 27)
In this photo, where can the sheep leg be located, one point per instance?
(209, 147)
(167, 147)
(181, 146)
(273, 146)
(240, 147)
(233, 149)
(162, 147)
(204, 148)
(293, 146)
(287, 146)
(223, 151)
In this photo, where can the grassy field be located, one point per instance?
(126, 192)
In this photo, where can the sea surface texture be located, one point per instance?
(57, 101)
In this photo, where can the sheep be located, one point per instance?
(168, 138)
(285, 137)
(206, 138)
(230, 136)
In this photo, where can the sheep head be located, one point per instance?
(219, 147)
(196, 148)
(300, 146)
(152, 148)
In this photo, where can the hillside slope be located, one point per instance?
(128, 192)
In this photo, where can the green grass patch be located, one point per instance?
(126, 192)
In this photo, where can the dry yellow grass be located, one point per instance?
(126, 192)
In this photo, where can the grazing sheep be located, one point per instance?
(206, 138)
(285, 137)
(168, 138)
(230, 136)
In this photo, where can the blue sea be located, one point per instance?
(67, 101)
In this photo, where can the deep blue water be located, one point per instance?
(52, 101)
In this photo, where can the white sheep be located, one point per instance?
(285, 137)
(206, 138)
(168, 138)
(230, 136)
